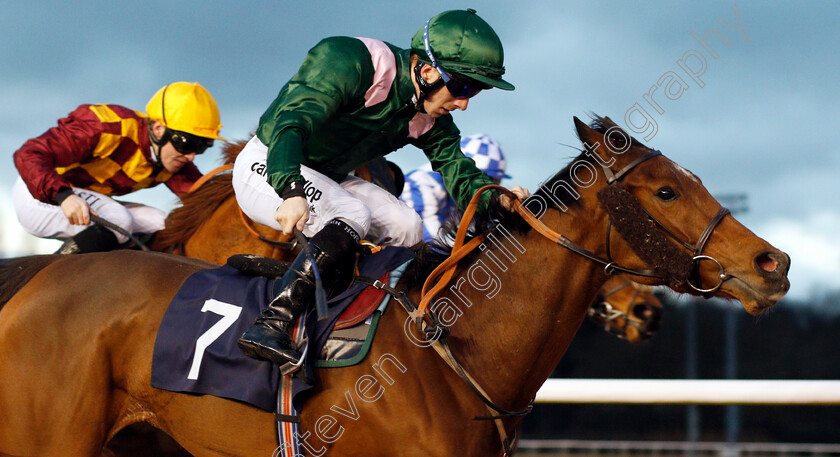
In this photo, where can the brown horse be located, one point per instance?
(209, 226)
(76, 341)
(626, 309)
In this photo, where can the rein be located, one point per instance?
(110, 225)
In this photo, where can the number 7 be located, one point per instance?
(230, 313)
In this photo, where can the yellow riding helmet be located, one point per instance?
(186, 107)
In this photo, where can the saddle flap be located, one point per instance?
(362, 306)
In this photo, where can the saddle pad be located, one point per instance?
(348, 346)
(196, 352)
(195, 349)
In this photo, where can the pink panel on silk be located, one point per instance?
(384, 71)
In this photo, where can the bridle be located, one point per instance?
(427, 323)
(611, 266)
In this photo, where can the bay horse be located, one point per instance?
(76, 340)
(626, 309)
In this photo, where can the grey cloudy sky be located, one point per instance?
(764, 123)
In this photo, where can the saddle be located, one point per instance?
(359, 309)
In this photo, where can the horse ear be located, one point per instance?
(585, 133)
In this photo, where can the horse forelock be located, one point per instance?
(604, 124)
(15, 273)
(196, 208)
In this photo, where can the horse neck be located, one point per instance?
(523, 299)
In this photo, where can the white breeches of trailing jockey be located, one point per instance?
(373, 212)
(48, 221)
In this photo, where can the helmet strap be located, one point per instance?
(426, 87)
(159, 142)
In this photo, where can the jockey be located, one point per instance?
(425, 191)
(98, 151)
(354, 100)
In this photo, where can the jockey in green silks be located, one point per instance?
(354, 100)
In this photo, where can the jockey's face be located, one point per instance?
(171, 159)
(441, 101)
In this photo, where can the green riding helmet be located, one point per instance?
(463, 43)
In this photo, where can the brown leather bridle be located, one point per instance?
(696, 248)
(611, 266)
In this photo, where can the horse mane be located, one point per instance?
(15, 273)
(195, 208)
(430, 255)
(231, 150)
(199, 205)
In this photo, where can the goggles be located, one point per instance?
(187, 143)
(458, 86)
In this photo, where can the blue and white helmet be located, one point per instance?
(487, 154)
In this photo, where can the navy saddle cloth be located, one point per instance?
(196, 352)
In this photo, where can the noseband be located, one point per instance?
(697, 256)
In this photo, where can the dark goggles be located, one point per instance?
(459, 86)
(187, 143)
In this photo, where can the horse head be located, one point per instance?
(627, 310)
(668, 222)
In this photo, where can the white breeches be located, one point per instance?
(48, 221)
(373, 212)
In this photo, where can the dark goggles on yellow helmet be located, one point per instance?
(187, 143)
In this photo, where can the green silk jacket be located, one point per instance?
(351, 102)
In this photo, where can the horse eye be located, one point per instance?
(616, 141)
(666, 194)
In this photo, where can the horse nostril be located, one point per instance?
(766, 263)
(772, 263)
(644, 312)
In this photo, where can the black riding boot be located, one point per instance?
(334, 249)
(92, 239)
